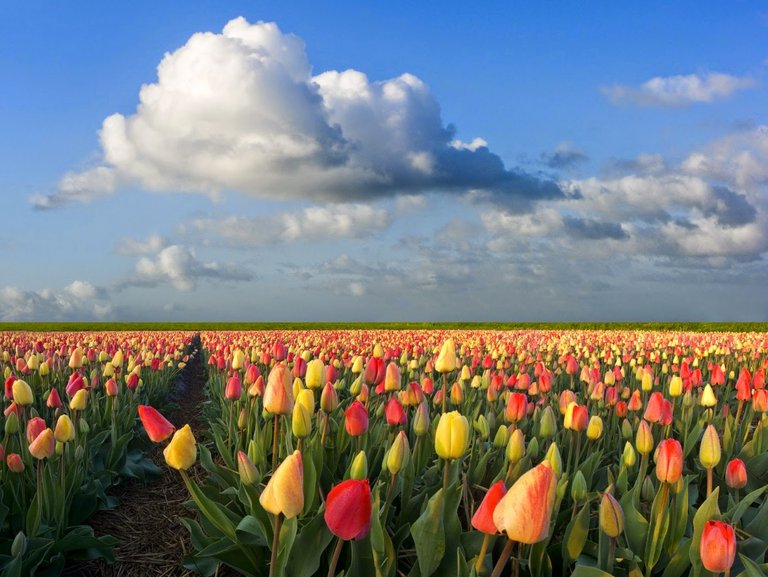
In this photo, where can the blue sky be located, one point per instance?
(350, 161)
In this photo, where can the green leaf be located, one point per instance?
(212, 510)
(429, 535)
(287, 537)
(659, 526)
(33, 516)
(635, 525)
(311, 543)
(751, 569)
(381, 545)
(251, 532)
(680, 562)
(576, 534)
(738, 511)
(586, 571)
(310, 483)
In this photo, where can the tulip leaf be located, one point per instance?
(429, 535)
(587, 571)
(707, 511)
(576, 534)
(758, 526)
(751, 569)
(251, 532)
(288, 532)
(381, 544)
(310, 483)
(680, 562)
(679, 519)
(308, 549)
(33, 516)
(635, 525)
(692, 438)
(739, 510)
(212, 511)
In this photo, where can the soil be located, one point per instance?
(152, 542)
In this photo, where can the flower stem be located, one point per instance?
(275, 431)
(275, 545)
(505, 553)
(481, 556)
(335, 558)
(445, 390)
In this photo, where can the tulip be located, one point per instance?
(278, 394)
(446, 360)
(675, 386)
(110, 387)
(43, 445)
(515, 447)
(654, 408)
(398, 455)
(524, 512)
(181, 452)
(708, 398)
(35, 426)
(15, 463)
(482, 520)
(421, 420)
(392, 378)
(65, 430)
(736, 474)
(517, 407)
(611, 516)
(306, 397)
(709, 453)
(22, 393)
(718, 546)
(452, 436)
(284, 493)
(348, 509)
(553, 458)
(644, 438)
(394, 413)
(329, 399)
(79, 401)
(248, 472)
(547, 424)
(669, 461)
(54, 400)
(301, 421)
(576, 417)
(359, 467)
(595, 428)
(234, 388)
(315, 374)
(356, 419)
(158, 428)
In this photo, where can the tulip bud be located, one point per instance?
(15, 463)
(329, 399)
(421, 420)
(301, 421)
(709, 449)
(398, 455)
(359, 468)
(446, 360)
(516, 446)
(524, 512)
(669, 461)
(284, 493)
(356, 419)
(452, 436)
(718, 546)
(611, 516)
(548, 423)
(501, 438)
(35, 426)
(554, 459)
(19, 545)
(579, 487)
(629, 457)
(181, 452)
(708, 398)
(249, 474)
(675, 386)
(626, 430)
(647, 491)
(595, 428)
(278, 394)
(22, 393)
(644, 438)
(533, 448)
(12, 423)
(736, 474)
(65, 430)
(481, 427)
(348, 509)
(238, 359)
(482, 520)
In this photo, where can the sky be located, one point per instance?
(398, 161)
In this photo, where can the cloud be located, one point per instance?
(177, 265)
(79, 301)
(680, 90)
(132, 247)
(78, 186)
(241, 111)
(315, 223)
(564, 156)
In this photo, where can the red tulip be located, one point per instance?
(524, 512)
(35, 426)
(654, 408)
(669, 461)
(482, 520)
(736, 474)
(15, 463)
(356, 419)
(157, 426)
(54, 400)
(517, 407)
(234, 388)
(394, 413)
(348, 509)
(718, 546)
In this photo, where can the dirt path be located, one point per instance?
(152, 542)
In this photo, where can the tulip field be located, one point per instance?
(388, 453)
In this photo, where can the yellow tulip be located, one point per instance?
(284, 493)
(22, 393)
(181, 452)
(452, 436)
(446, 360)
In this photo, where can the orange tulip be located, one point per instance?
(736, 474)
(718, 546)
(524, 512)
(43, 445)
(284, 493)
(669, 461)
(482, 520)
(278, 394)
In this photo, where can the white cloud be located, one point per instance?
(79, 300)
(315, 223)
(178, 265)
(240, 110)
(680, 90)
(132, 247)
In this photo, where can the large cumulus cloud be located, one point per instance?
(241, 110)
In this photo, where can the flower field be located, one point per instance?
(401, 452)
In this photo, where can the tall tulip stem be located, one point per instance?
(446, 473)
(481, 555)
(335, 557)
(709, 481)
(275, 544)
(445, 390)
(505, 553)
(275, 431)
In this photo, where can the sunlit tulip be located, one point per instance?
(675, 386)
(517, 407)
(22, 393)
(709, 449)
(76, 359)
(392, 378)
(65, 430)
(284, 493)
(398, 454)
(760, 400)
(315, 374)
(736, 474)
(278, 394)
(628, 456)
(181, 452)
(356, 419)
(524, 512)
(301, 421)
(595, 428)
(644, 439)
(238, 359)
(515, 446)
(452, 436)
(446, 360)
(348, 509)
(566, 397)
(394, 413)
(35, 426)
(79, 401)
(669, 461)
(234, 388)
(576, 417)
(635, 402)
(482, 520)
(654, 408)
(718, 546)
(43, 445)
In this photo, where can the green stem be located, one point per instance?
(445, 390)
(505, 553)
(481, 556)
(388, 502)
(275, 431)
(445, 477)
(335, 558)
(275, 545)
